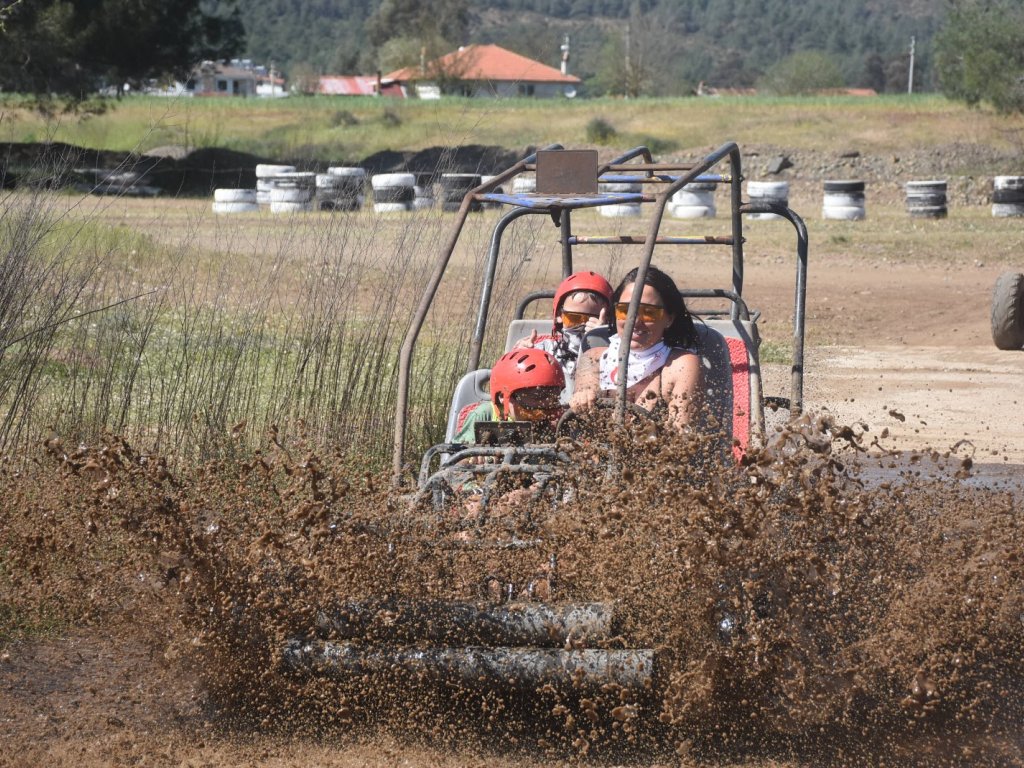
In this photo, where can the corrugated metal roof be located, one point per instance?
(355, 85)
(485, 62)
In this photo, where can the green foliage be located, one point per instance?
(980, 54)
(72, 48)
(802, 73)
(600, 131)
(672, 45)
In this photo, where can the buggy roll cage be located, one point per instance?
(566, 180)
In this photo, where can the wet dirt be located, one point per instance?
(798, 613)
(806, 612)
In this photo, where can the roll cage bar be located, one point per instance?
(567, 173)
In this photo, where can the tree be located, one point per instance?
(980, 53)
(71, 47)
(802, 72)
(637, 63)
(433, 19)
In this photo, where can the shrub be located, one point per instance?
(600, 131)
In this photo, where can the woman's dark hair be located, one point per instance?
(682, 332)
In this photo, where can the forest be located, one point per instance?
(676, 43)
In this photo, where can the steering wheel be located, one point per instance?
(604, 404)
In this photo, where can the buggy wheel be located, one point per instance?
(1008, 311)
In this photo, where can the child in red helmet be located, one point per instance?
(582, 302)
(526, 385)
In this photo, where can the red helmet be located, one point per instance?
(580, 281)
(523, 369)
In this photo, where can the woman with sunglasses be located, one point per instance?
(582, 302)
(663, 371)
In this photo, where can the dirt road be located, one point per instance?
(898, 340)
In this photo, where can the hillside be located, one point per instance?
(726, 43)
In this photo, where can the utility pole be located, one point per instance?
(565, 55)
(910, 73)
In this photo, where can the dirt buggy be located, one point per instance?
(508, 637)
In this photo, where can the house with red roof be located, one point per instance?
(485, 71)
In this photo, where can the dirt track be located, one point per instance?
(898, 345)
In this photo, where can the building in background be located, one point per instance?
(484, 71)
(357, 85)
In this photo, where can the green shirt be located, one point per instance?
(467, 433)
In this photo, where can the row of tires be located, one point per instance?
(286, 190)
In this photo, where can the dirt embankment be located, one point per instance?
(177, 170)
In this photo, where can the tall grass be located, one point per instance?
(309, 127)
(233, 333)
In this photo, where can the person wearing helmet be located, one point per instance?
(526, 385)
(582, 302)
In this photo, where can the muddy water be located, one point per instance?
(825, 602)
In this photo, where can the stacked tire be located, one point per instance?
(767, 192)
(1008, 196)
(393, 192)
(227, 201)
(265, 175)
(293, 192)
(926, 199)
(620, 210)
(340, 189)
(1008, 311)
(694, 201)
(844, 200)
(423, 192)
(524, 184)
(454, 187)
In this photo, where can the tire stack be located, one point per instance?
(620, 210)
(292, 192)
(1008, 311)
(767, 192)
(844, 200)
(393, 192)
(926, 199)
(1008, 196)
(694, 201)
(265, 174)
(423, 192)
(340, 189)
(454, 187)
(234, 201)
(524, 184)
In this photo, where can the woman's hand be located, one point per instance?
(583, 400)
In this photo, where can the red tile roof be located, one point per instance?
(485, 62)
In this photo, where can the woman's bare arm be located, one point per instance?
(681, 383)
(587, 388)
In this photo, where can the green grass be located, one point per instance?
(311, 126)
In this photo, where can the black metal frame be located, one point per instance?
(669, 177)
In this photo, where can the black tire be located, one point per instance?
(936, 199)
(1008, 196)
(844, 186)
(1008, 311)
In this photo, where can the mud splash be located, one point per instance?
(799, 607)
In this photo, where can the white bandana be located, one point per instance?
(641, 363)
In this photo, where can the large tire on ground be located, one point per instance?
(1008, 311)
